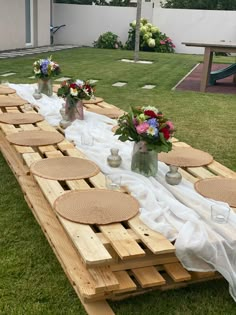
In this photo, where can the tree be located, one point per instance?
(200, 4)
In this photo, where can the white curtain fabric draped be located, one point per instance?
(178, 212)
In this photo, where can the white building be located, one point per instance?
(24, 23)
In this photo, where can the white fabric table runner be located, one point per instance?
(178, 212)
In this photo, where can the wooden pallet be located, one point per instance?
(114, 261)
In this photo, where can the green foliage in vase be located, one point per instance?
(108, 40)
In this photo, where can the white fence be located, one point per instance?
(84, 24)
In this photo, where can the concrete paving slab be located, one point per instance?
(119, 84)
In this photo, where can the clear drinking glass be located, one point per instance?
(113, 182)
(220, 213)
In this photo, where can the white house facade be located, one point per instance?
(24, 23)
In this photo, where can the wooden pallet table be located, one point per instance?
(113, 261)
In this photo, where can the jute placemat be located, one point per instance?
(34, 138)
(6, 101)
(94, 100)
(96, 206)
(64, 168)
(185, 157)
(20, 118)
(6, 90)
(218, 188)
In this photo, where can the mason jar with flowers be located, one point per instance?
(45, 70)
(151, 132)
(74, 93)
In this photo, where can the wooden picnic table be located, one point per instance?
(112, 261)
(209, 49)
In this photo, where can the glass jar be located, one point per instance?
(74, 109)
(45, 86)
(144, 161)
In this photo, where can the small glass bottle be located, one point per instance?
(173, 177)
(114, 160)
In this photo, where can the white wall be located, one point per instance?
(195, 25)
(43, 22)
(85, 23)
(12, 22)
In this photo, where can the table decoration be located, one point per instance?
(218, 188)
(5, 90)
(20, 118)
(114, 159)
(35, 137)
(8, 101)
(45, 70)
(74, 93)
(96, 206)
(151, 132)
(186, 157)
(173, 177)
(64, 168)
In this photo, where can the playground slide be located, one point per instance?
(221, 74)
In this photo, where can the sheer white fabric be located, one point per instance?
(178, 212)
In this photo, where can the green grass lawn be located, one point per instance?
(31, 279)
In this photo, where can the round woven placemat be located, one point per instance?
(6, 101)
(64, 168)
(6, 90)
(96, 206)
(94, 100)
(218, 188)
(34, 138)
(185, 157)
(20, 118)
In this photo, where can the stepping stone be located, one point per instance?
(7, 74)
(93, 81)
(148, 87)
(140, 61)
(62, 79)
(33, 77)
(119, 84)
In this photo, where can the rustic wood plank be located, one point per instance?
(67, 255)
(148, 277)
(105, 279)
(87, 243)
(121, 241)
(155, 241)
(177, 272)
(126, 283)
(200, 172)
(221, 170)
(12, 158)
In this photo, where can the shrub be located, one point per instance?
(151, 39)
(108, 40)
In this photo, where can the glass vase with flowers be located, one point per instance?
(45, 70)
(151, 132)
(74, 93)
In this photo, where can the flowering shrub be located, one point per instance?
(151, 39)
(45, 68)
(146, 124)
(76, 90)
(108, 40)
